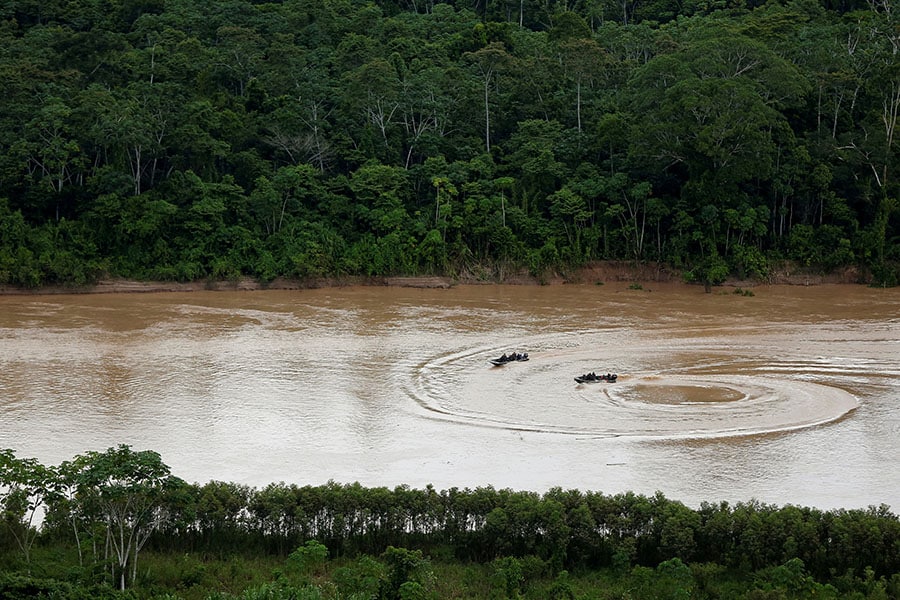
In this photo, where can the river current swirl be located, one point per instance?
(791, 395)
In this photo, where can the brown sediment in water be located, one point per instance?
(792, 392)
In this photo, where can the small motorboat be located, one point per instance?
(508, 358)
(594, 378)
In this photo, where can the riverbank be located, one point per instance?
(595, 273)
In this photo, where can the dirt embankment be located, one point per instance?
(594, 273)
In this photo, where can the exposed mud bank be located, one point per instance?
(599, 272)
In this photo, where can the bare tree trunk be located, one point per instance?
(487, 115)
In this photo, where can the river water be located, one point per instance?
(788, 396)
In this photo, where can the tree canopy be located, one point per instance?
(211, 140)
(114, 502)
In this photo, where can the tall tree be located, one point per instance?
(26, 487)
(583, 60)
(374, 92)
(489, 61)
(127, 488)
(874, 142)
(50, 149)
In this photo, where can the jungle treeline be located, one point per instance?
(216, 139)
(118, 524)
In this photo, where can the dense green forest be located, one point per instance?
(216, 139)
(118, 524)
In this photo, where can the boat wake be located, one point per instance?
(685, 398)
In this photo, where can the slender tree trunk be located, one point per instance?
(78, 543)
(487, 115)
(578, 103)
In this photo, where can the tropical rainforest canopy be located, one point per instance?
(209, 139)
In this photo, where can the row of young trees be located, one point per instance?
(205, 139)
(111, 504)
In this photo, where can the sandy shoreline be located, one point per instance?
(596, 273)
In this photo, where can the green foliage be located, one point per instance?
(675, 578)
(750, 262)
(362, 580)
(407, 576)
(26, 487)
(172, 140)
(19, 587)
(310, 558)
(710, 272)
(561, 589)
(223, 540)
(507, 579)
(122, 492)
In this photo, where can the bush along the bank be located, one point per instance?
(117, 522)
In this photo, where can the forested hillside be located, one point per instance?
(207, 139)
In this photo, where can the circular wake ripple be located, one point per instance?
(541, 395)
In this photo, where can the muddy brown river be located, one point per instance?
(789, 396)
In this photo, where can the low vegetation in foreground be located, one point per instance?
(118, 524)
